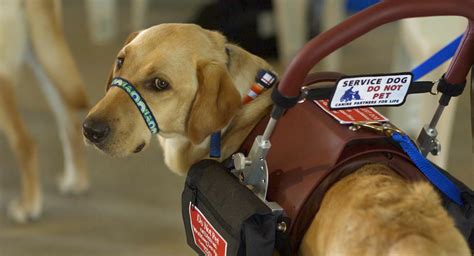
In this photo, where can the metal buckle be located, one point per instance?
(304, 94)
(434, 90)
(383, 128)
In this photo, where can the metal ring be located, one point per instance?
(303, 95)
(435, 86)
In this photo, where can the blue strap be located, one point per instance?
(139, 101)
(443, 183)
(215, 151)
(437, 59)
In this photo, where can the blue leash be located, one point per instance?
(437, 59)
(445, 185)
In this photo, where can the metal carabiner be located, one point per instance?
(384, 128)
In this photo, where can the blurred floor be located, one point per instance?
(133, 207)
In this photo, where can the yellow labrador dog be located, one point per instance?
(194, 81)
(31, 32)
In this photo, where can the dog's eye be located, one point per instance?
(161, 84)
(119, 63)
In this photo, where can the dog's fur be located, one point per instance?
(31, 32)
(371, 212)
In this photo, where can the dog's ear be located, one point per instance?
(111, 73)
(216, 102)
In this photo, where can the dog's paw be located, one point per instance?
(73, 184)
(22, 212)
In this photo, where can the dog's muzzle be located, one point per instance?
(139, 101)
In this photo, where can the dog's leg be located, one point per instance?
(74, 179)
(28, 206)
(12, 44)
(53, 64)
(52, 51)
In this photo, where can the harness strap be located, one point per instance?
(445, 185)
(139, 101)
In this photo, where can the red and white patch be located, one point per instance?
(205, 235)
(349, 116)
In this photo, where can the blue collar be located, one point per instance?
(139, 101)
(215, 151)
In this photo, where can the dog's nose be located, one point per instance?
(95, 131)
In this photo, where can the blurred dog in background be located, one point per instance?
(31, 32)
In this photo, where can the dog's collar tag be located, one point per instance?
(139, 101)
(264, 80)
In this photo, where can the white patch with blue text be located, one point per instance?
(374, 90)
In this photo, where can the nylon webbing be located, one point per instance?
(445, 185)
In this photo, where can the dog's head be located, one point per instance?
(180, 71)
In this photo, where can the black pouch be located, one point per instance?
(223, 217)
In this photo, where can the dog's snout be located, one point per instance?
(95, 131)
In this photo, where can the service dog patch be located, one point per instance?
(371, 90)
(205, 235)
